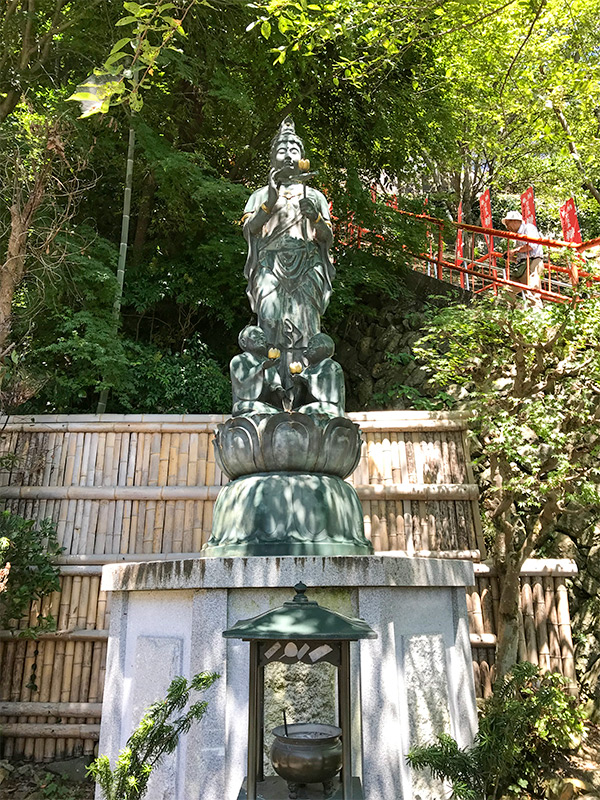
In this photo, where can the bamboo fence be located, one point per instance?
(142, 487)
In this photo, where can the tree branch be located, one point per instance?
(574, 153)
(522, 45)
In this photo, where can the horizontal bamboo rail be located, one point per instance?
(94, 635)
(33, 730)
(536, 566)
(394, 491)
(51, 709)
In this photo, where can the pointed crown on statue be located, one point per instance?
(286, 133)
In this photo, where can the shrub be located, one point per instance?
(155, 736)
(26, 569)
(523, 727)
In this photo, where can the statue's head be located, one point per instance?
(319, 348)
(252, 340)
(287, 147)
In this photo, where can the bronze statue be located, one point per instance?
(289, 269)
(323, 379)
(288, 447)
(255, 382)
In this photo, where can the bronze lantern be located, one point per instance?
(303, 754)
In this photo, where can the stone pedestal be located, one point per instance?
(412, 682)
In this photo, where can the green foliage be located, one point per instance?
(532, 377)
(156, 735)
(190, 382)
(134, 58)
(27, 571)
(527, 722)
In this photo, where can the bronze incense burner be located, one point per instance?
(308, 752)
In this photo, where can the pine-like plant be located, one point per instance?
(527, 722)
(155, 736)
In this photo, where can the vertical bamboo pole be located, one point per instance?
(552, 625)
(59, 654)
(202, 459)
(69, 662)
(529, 621)
(386, 459)
(395, 458)
(539, 608)
(102, 400)
(564, 627)
(197, 537)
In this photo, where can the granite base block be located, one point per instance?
(412, 682)
(276, 789)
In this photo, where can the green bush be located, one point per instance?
(155, 736)
(26, 569)
(523, 727)
(158, 382)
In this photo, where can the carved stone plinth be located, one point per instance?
(276, 514)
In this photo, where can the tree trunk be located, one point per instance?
(13, 269)
(508, 613)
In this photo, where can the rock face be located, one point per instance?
(377, 354)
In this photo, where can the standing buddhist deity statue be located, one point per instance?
(287, 447)
(289, 268)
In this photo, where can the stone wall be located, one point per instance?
(376, 352)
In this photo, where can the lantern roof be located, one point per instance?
(301, 618)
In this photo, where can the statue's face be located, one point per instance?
(257, 343)
(286, 156)
(316, 351)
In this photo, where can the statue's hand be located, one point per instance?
(308, 209)
(273, 188)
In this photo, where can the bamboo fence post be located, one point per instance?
(366, 504)
(539, 610)
(477, 678)
(207, 518)
(395, 459)
(49, 747)
(59, 657)
(202, 459)
(29, 675)
(392, 524)
(564, 626)
(197, 538)
(552, 625)
(70, 673)
(477, 618)
(529, 621)
(210, 463)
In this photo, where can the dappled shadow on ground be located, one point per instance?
(20, 781)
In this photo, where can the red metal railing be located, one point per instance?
(566, 266)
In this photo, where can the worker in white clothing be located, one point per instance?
(528, 264)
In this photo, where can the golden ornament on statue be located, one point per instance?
(274, 352)
(304, 164)
(296, 367)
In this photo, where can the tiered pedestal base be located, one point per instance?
(287, 514)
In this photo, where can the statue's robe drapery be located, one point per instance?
(289, 272)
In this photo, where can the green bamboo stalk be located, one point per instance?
(101, 407)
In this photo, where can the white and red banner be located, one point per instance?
(485, 211)
(458, 254)
(570, 222)
(528, 206)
